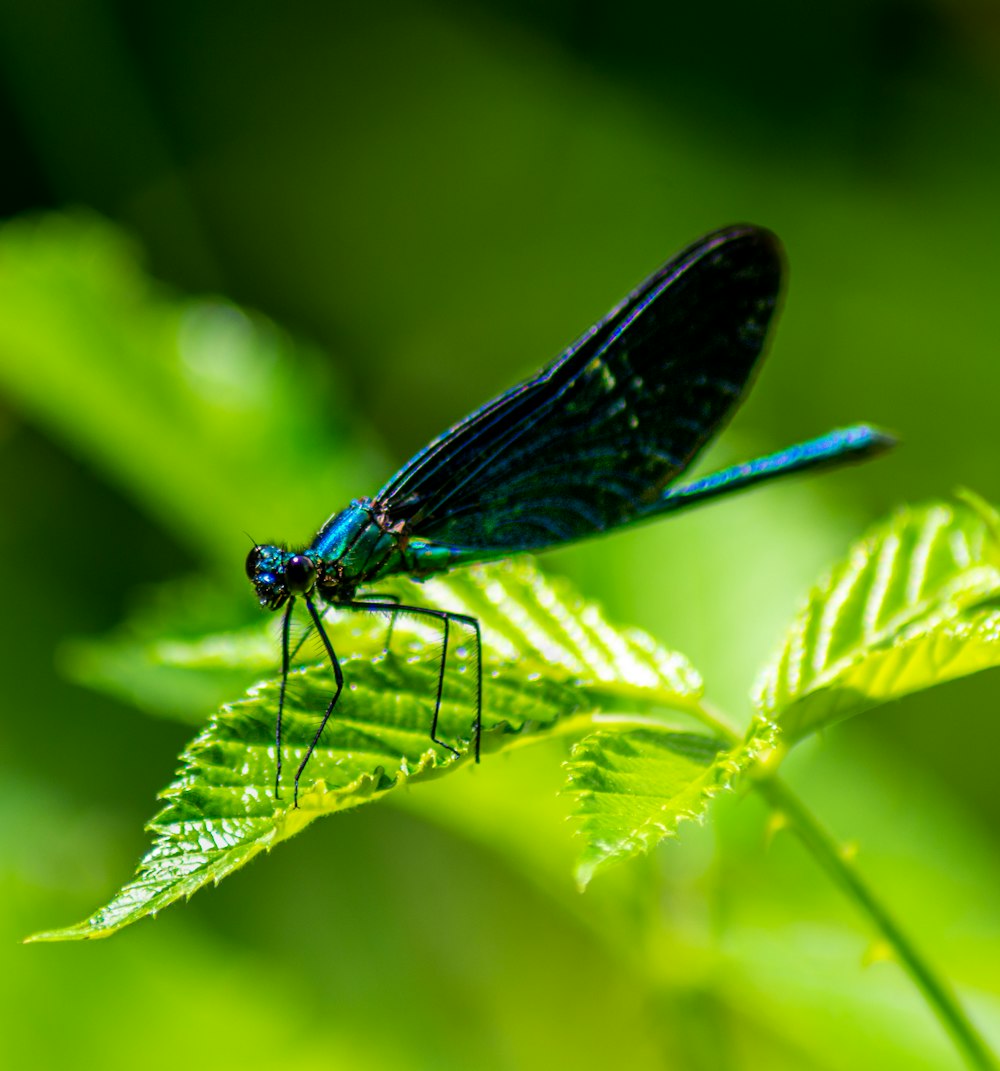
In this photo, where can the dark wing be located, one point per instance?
(598, 434)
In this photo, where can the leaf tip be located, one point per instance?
(82, 931)
(585, 870)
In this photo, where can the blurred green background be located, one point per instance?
(436, 198)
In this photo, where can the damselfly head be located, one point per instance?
(265, 569)
(277, 574)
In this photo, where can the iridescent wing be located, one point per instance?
(594, 438)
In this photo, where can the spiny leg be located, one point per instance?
(381, 597)
(286, 625)
(445, 616)
(477, 727)
(379, 606)
(393, 600)
(300, 642)
(376, 598)
(440, 691)
(338, 674)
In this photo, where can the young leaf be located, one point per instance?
(548, 658)
(635, 787)
(908, 608)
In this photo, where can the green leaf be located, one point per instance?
(634, 788)
(194, 406)
(910, 607)
(548, 659)
(169, 659)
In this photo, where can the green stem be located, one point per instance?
(719, 723)
(828, 854)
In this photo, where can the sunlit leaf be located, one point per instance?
(635, 787)
(910, 607)
(549, 659)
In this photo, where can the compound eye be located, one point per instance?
(300, 572)
(253, 561)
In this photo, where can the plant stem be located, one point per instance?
(714, 719)
(828, 854)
